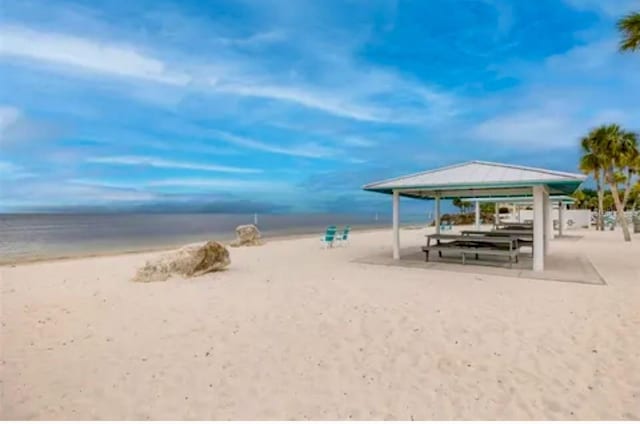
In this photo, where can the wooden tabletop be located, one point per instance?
(501, 232)
(506, 239)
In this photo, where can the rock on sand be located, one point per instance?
(247, 235)
(189, 261)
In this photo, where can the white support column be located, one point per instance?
(548, 222)
(477, 215)
(560, 218)
(538, 228)
(396, 225)
(437, 214)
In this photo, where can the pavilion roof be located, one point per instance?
(479, 179)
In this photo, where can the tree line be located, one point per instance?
(610, 153)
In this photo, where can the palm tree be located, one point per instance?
(630, 27)
(591, 162)
(616, 146)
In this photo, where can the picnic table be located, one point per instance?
(525, 237)
(514, 226)
(498, 232)
(501, 245)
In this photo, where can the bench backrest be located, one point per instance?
(330, 233)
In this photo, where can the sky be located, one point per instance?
(291, 106)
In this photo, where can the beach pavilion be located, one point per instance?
(517, 202)
(478, 179)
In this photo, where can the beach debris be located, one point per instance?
(247, 235)
(188, 261)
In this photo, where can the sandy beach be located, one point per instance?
(291, 331)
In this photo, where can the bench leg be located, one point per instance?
(463, 258)
(439, 253)
(476, 256)
(426, 256)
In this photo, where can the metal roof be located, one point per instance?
(479, 179)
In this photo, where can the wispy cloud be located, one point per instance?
(83, 194)
(307, 97)
(254, 40)
(218, 184)
(8, 117)
(590, 56)
(546, 124)
(528, 130)
(565, 95)
(11, 171)
(308, 150)
(16, 128)
(345, 89)
(187, 184)
(608, 7)
(357, 141)
(91, 55)
(145, 98)
(164, 163)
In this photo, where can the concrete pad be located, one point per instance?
(560, 266)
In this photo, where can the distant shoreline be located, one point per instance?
(167, 247)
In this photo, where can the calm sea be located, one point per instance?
(44, 236)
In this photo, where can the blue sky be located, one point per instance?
(293, 105)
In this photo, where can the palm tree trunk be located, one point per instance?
(627, 188)
(619, 208)
(599, 185)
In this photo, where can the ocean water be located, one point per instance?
(44, 236)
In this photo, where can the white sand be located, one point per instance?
(293, 331)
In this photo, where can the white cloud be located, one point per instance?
(585, 57)
(357, 161)
(613, 8)
(8, 117)
(218, 184)
(168, 184)
(544, 127)
(340, 87)
(163, 163)
(16, 127)
(528, 130)
(356, 141)
(78, 193)
(564, 96)
(7, 167)
(11, 171)
(91, 55)
(309, 150)
(256, 39)
(331, 102)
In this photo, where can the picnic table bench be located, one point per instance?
(506, 245)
